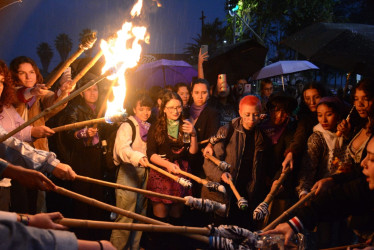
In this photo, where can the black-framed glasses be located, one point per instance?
(177, 108)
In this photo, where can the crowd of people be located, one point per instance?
(260, 135)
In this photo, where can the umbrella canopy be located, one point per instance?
(239, 60)
(163, 72)
(346, 46)
(282, 68)
(5, 3)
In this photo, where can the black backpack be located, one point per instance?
(108, 153)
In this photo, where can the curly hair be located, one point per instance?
(161, 124)
(16, 62)
(8, 96)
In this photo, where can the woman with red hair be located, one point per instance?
(243, 147)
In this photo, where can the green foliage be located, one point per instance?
(45, 54)
(63, 45)
(213, 35)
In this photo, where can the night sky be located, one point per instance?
(25, 25)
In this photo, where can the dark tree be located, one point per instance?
(45, 54)
(63, 45)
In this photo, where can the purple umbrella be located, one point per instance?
(163, 72)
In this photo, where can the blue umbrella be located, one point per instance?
(163, 72)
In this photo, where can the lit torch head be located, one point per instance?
(121, 53)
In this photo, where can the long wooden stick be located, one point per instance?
(289, 211)
(49, 109)
(184, 182)
(79, 124)
(133, 226)
(87, 43)
(193, 177)
(161, 171)
(120, 211)
(213, 159)
(120, 117)
(204, 141)
(270, 197)
(137, 190)
(234, 190)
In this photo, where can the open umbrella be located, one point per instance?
(346, 46)
(5, 3)
(163, 72)
(282, 68)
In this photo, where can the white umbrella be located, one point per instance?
(283, 67)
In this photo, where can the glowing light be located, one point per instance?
(136, 9)
(121, 53)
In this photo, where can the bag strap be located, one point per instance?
(132, 125)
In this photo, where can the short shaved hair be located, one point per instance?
(250, 100)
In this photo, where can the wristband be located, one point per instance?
(24, 219)
(101, 245)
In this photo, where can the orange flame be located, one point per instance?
(136, 9)
(122, 53)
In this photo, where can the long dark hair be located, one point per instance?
(304, 109)
(366, 85)
(161, 124)
(8, 96)
(16, 62)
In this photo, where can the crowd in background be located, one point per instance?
(174, 128)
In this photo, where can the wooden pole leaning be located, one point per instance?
(133, 189)
(87, 43)
(274, 190)
(120, 211)
(289, 211)
(212, 186)
(49, 109)
(194, 203)
(133, 226)
(262, 209)
(224, 166)
(79, 124)
(242, 203)
(184, 182)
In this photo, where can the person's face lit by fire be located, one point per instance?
(362, 103)
(311, 98)
(250, 115)
(184, 94)
(200, 94)
(368, 164)
(327, 117)
(26, 75)
(173, 109)
(142, 112)
(278, 116)
(267, 90)
(91, 95)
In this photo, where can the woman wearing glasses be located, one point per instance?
(165, 148)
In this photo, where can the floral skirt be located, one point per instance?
(164, 185)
